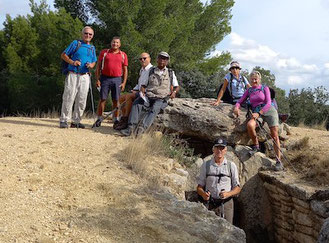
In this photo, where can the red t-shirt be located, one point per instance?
(113, 62)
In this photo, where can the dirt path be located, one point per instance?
(67, 185)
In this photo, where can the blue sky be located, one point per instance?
(288, 37)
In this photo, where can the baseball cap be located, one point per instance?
(164, 54)
(220, 142)
(235, 64)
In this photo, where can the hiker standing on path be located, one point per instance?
(233, 87)
(145, 61)
(262, 108)
(156, 89)
(218, 181)
(80, 55)
(112, 65)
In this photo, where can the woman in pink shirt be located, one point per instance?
(262, 107)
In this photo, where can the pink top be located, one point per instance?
(257, 97)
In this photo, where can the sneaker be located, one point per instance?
(278, 166)
(79, 125)
(254, 149)
(139, 131)
(123, 124)
(63, 125)
(128, 131)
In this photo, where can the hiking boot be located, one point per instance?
(63, 125)
(115, 124)
(128, 131)
(123, 124)
(98, 122)
(278, 166)
(254, 149)
(79, 125)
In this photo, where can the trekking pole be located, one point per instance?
(109, 114)
(275, 143)
(222, 212)
(91, 94)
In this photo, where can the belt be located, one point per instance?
(111, 76)
(80, 73)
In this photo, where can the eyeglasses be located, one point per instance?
(235, 68)
(90, 34)
(142, 58)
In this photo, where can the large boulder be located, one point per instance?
(198, 118)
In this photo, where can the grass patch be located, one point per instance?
(139, 150)
(311, 165)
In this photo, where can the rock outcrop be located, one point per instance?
(198, 118)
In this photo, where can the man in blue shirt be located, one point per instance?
(80, 55)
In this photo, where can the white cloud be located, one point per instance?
(293, 80)
(289, 71)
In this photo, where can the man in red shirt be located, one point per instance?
(111, 66)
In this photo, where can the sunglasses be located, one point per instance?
(143, 58)
(163, 58)
(235, 68)
(90, 34)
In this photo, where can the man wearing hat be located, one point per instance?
(234, 85)
(218, 181)
(156, 88)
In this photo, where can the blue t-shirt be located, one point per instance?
(239, 86)
(86, 53)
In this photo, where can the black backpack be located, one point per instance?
(65, 65)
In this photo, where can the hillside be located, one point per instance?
(68, 185)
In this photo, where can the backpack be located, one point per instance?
(64, 64)
(272, 92)
(103, 60)
(227, 96)
(229, 167)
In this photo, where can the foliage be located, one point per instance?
(30, 57)
(188, 29)
(309, 106)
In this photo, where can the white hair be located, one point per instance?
(86, 27)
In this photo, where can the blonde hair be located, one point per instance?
(255, 73)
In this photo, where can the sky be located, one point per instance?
(288, 37)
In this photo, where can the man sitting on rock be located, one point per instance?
(128, 99)
(218, 182)
(156, 89)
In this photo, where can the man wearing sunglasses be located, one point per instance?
(218, 182)
(81, 56)
(156, 88)
(145, 61)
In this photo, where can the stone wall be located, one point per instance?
(298, 211)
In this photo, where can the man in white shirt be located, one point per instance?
(145, 61)
(160, 85)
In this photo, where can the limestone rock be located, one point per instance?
(198, 118)
(255, 211)
(324, 233)
(320, 208)
(205, 225)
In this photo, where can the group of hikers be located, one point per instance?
(218, 181)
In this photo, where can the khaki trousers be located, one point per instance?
(75, 92)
